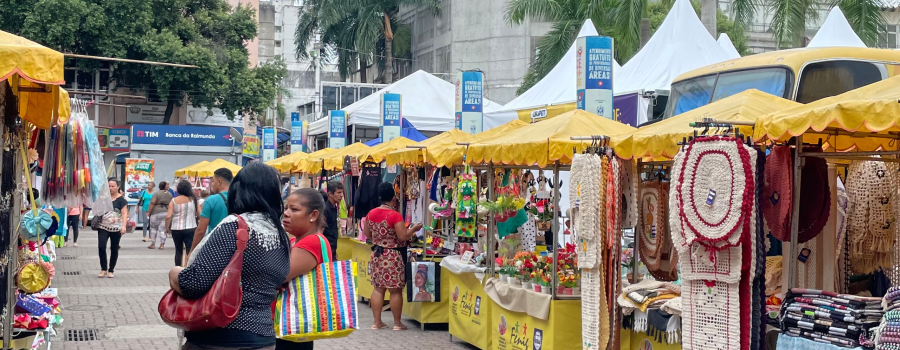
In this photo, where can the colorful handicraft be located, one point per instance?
(657, 252)
(467, 197)
(870, 216)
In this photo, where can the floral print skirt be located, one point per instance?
(387, 270)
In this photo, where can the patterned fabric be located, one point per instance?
(184, 216)
(318, 305)
(386, 270)
(528, 234)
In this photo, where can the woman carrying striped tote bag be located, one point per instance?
(318, 305)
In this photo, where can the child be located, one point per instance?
(203, 195)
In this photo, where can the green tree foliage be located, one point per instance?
(209, 34)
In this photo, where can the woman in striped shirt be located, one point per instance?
(181, 221)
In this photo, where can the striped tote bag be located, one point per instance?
(318, 305)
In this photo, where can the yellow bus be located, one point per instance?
(802, 75)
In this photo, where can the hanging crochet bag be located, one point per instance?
(318, 305)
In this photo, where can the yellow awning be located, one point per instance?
(870, 109)
(335, 161)
(185, 170)
(552, 111)
(208, 169)
(661, 139)
(544, 142)
(379, 152)
(453, 155)
(285, 163)
(313, 163)
(25, 63)
(414, 156)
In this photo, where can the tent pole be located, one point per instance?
(637, 229)
(795, 214)
(554, 230)
(491, 224)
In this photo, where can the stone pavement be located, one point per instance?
(123, 310)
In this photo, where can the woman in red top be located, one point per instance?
(304, 220)
(389, 236)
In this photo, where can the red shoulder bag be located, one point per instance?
(221, 304)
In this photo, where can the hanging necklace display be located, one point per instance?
(870, 217)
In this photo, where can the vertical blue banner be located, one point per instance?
(297, 131)
(391, 113)
(268, 141)
(337, 129)
(594, 60)
(469, 102)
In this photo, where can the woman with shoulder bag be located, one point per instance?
(264, 267)
(181, 220)
(111, 229)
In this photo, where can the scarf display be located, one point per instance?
(715, 232)
(870, 216)
(838, 319)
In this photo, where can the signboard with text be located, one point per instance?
(268, 144)
(115, 139)
(469, 98)
(594, 67)
(145, 114)
(138, 173)
(298, 133)
(251, 146)
(214, 116)
(337, 129)
(181, 135)
(391, 114)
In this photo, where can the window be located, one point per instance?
(425, 62)
(826, 79)
(697, 92)
(366, 91)
(278, 29)
(277, 43)
(329, 98)
(424, 26)
(442, 60)
(348, 96)
(443, 22)
(887, 36)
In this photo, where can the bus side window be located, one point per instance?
(825, 79)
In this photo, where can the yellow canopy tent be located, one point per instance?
(285, 163)
(313, 162)
(544, 142)
(335, 161)
(379, 152)
(414, 156)
(39, 70)
(661, 139)
(211, 167)
(866, 119)
(186, 169)
(453, 155)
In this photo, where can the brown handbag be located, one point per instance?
(221, 304)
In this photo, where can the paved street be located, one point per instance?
(123, 310)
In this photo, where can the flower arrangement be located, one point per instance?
(568, 279)
(525, 265)
(544, 279)
(543, 214)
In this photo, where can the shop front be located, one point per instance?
(174, 147)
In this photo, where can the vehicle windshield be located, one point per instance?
(694, 93)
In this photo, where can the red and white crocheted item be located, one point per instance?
(710, 316)
(713, 192)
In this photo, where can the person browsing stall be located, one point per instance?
(214, 207)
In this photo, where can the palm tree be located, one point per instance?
(865, 18)
(789, 17)
(363, 30)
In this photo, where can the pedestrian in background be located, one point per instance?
(333, 202)
(266, 262)
(303, 221)
(215, 207)
(73, 220)
(159, 208)
(204, 194)
(390, 238)
(181, 220)
(112, 227)
(144, 203)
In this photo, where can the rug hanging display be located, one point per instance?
(655, 244)
(870, 215)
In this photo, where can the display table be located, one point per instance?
(518, 331)
(431, 312)
(345, 248)
(470, 310)
(630, 340)
(361, 253)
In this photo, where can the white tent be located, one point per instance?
(726, 44)
(428, 103)
(680, 44)
(836, 31)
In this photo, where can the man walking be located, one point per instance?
(335, 196)
(215, 207)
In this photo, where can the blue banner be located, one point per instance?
(391, 113)
(268, 143)
(469, 102)
(337, 130)
(594, 66)
(297, 133)
(181, 135)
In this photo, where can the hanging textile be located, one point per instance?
(655, 244)
(870, 216)
(367, 194)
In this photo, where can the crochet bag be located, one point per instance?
(318, 305)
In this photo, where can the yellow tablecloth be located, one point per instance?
(345, 248)
(470, 310)
(518, 331)
(362, 253)
(435, 312)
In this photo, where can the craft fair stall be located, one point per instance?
(200, 174)
(298, 165)
(840, 221)
(653, 304)
(527, 305)
(31, 103)
(428, 292)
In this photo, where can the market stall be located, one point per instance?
(528, 290)
(31, 102)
